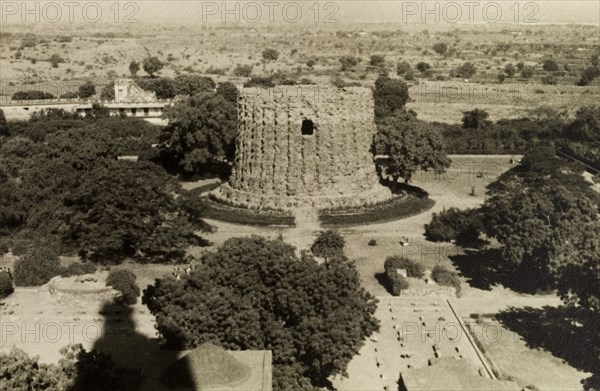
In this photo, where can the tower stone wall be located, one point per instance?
(304, 146)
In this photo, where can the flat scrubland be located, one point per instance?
(103, 53)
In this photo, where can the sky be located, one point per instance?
(401, 11)
(302, 12)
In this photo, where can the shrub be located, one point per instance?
(260, 81)
(32, 95)
(243, 70)
(463, 226)
(395, 282)
(466, 70)
(78, 269)
(87, 90)
(402, 68)
(36, 267)
(377, 60)
(123, 280)
(550, 66)
(372, 242)
(413, 269)
(445, 277)
(6, 285)
(527, 72)
(349, 62)
(440, 48)
(328, 244)
(424, 68)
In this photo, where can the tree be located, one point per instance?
(152, 65)
(550, 65)
(349, 62)
(527, 72)
(243, 70)
(390, 95)
(466, 70)
(21, 372)
(501, 78)
(440, 48)
(193, 84)
(270, 55)
(409, 145)
(134, 68)
(510, 70)
(229, 91)
(402, 68)
(6, 284)
(123, 280)
(108, 92)
(424, 68)
(377, 60)
(254, 293)
(534, 224)
(163, 87)
(588, 74)
(532, 209)
(463, 226)
(201, 130)
(87, 90)
(128, 209)
(586, 125)
(77, 370)
(520, 66)
(36, 267)
(475, 119)
(3, 125)
(328, 244)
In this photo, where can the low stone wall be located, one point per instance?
(248, 199)
(87, 288)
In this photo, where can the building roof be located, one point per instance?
(451, 374)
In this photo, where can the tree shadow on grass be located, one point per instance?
(403, 188)
(384, 281)
(564, 332)
(486, 268)
(479, 267)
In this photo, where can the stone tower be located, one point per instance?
(304, 146)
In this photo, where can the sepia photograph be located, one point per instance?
(308, 195)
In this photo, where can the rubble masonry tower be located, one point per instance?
(304, 146)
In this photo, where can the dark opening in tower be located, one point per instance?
(308, 128)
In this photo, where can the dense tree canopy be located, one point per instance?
(409, 146)
(390, 96)
(78, 370)
(70, 187)
(201, 130)
(547, 218)
(254, 293)
(3, 125)
(152, 65)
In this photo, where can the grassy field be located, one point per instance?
(512, 358)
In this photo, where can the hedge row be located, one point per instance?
(231, 214)
(395, 209)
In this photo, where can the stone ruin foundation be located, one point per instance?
(304, 146)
